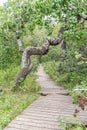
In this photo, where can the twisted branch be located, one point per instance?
(26, 64)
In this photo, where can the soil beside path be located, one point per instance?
(54, 104)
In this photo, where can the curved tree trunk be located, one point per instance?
(26, 64)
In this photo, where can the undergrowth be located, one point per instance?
(73, 124)
(13, 102)
(74, 82)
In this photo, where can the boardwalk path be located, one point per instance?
(44, 113)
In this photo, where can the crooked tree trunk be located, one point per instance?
(26, 64)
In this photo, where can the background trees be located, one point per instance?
(21, 22)
(20, 19)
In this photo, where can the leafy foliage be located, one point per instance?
(32, 21)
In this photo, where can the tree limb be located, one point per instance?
(20, 45)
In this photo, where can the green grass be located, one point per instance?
(13, 102)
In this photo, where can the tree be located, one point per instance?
(21, 16)
(26, 65)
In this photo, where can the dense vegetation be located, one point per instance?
(71, 64)
(31, 21)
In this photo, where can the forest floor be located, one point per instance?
(53, 108)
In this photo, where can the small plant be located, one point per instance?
(82, 103)
(74, 124)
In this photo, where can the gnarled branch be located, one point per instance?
(26, 64)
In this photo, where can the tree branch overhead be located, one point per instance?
(29, 51)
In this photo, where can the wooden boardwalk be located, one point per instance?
(44, 114)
